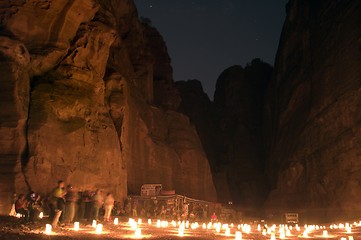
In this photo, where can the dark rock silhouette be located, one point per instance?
(231, 130)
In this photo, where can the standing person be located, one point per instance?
(162, 212)
(57, 201)
(108, 206)
(21, 207)
(71, 197)
(97, 203)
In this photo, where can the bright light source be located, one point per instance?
(48, 229)
(99, 229)
(76, 226)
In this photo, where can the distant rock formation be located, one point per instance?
(77, 103)
(231, 130)
(314, 112)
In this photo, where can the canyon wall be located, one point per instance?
(314, 111)
(78, 103)
(231, 131)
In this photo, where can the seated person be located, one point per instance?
(21, 207)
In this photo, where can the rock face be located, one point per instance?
(231, 130)
(239, 101)
(314, 111)
(77, 103)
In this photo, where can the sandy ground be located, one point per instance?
(11, 228)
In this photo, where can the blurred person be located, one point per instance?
(97, 203)
(57, 202)
(71, 197)
(108, 206)
(21, 207)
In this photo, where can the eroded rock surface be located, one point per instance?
(77, 103)
(314, 111)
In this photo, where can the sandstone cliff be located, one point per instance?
(314, 111)
(231, 130)
(77, 103)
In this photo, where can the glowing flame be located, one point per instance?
(116, 221)
(76, 226)
(228, 232)
(273, 236)
(41, 215)
(238, 236)
(138, 233)
(181, 231)
(149, 221)
(99, 229)
(282, 235)
(94, 224)
(48, 229)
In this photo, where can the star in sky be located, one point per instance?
(205, 37)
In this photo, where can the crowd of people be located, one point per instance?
(65, 204)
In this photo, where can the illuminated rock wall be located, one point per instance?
(314, 111)
(77, 103)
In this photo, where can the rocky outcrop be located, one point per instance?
(314, 111)
(239, 101)
(77, 103)
(231, 130)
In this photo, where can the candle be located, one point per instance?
(149, 221)
(228, 232)
(41, 215)
(76, 226)
(138, 233)
(204, 226)
(164, 224)
(18, 215)
(181, 231)
(273, 236)
(48, 229)
(158, 224)
(350, 237)
(139, 221)
(282, 234)
(325, 234)
(94, 224)
(238, 235)
(99, 228)
(116, 221)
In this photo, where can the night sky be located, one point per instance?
(204, 37)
